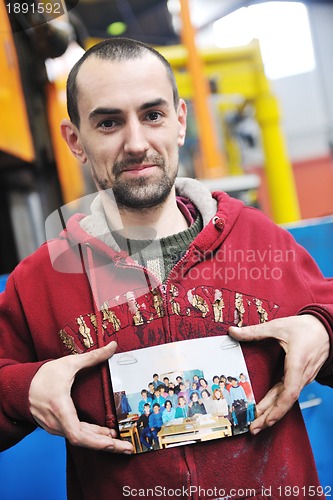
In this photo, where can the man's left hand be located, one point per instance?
(306, 344)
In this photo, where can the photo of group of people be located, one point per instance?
(189, 398)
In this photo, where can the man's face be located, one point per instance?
(130, 131)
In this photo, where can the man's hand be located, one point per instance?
(53, 409)
(306, 344)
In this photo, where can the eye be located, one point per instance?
(154, 116)
(106, 124)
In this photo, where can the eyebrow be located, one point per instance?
(117, 111)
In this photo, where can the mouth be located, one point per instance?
(139, 169)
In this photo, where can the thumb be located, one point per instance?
(96, 356)
(250, 333)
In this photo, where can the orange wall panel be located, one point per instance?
(314, 184)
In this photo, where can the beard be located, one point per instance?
(143, 192)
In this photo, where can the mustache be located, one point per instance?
(119, 166)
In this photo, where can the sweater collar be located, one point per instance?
(198, 195)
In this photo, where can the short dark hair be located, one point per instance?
(113, 49)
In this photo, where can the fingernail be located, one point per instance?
(255, 431)
(128, 452)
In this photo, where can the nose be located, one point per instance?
(135, 141)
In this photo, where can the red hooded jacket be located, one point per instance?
(49, 310)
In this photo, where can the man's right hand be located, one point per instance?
(53, 409)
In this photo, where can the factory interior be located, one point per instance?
(257, 77)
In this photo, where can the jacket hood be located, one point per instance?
(218, 210)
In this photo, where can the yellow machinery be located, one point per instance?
(37, 171)
(239, 74)
(17, 127)
(15, 134)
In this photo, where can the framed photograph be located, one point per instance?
(182, 393)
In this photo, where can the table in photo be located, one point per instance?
(201, 428)
(129, 429)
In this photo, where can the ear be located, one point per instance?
(181, 114)
(71, 135)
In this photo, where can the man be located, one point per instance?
(144, 429)
(127, 123)
(155, 422)
(143, 401)
(156, 382)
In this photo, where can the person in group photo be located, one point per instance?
(156, 381)
(158, 398)
(195, 407)
(194, 388)
(179, 380)
(184, 392)
(208, 402)
(172, 397)
(166, 383)
(143, 426)
(163, 392)
(155, 422)
(203, 384)
(144, 400)
(243, 382)
(182, 408)
(216, 381)
(151, 391)
(224, 391)
(238, 404)
(220, 403)
(168, 413)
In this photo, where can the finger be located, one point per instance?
(99, 438)
(95, 357)
(92, 436)
(270, 329)
(273, 407)
(264, 407)
(106, 431)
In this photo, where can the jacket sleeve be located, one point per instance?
(321, 290)
(18, 365)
